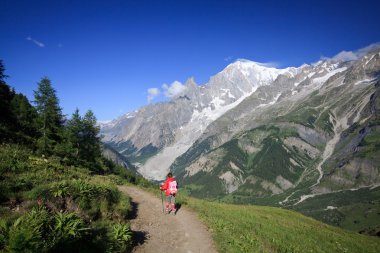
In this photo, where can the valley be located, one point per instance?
(260, 135)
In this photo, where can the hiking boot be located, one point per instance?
(174, 211)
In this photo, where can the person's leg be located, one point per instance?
(173, 203)
(168, 200)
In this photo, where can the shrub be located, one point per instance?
(121, 235)
(29, 233)
(4, 230)
(67, 229)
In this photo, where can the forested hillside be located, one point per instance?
(57, 192)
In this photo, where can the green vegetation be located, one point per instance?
(247, 228)
(354, 210)
(271, 157)
(195, 151)
(57, 192)
(46, 206)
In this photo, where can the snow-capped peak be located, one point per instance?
(261, 73)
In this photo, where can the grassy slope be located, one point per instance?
(84, 212)
(249, 228)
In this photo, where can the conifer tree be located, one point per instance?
(25, 115)
(82, 145)
(7, 121)
(91, 145)
(50, 118)
(73, 138)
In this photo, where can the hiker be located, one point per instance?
(170, 188)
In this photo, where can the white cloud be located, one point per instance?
(345, 56)
(152, 93)
(38, 43)
(229, 58)
(268, 64)
(352, 55)
(361, 52)
(263, 64)
(176, 88)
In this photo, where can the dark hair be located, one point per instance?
(170, 174)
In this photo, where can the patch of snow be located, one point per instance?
(330, 208)
(297, 83)
(370, 59)
(324, 78)
(217, 102)
(231, 96)
(365, 81)
(275, 98)
(272, 102)
(157, 166)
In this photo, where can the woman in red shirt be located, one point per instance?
(170, 188)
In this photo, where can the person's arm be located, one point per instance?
(165, 186)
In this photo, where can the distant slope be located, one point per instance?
(111, 154)
(281, 137)
(321, 140)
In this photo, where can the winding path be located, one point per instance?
(158, 232)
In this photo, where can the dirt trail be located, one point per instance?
(158, 232)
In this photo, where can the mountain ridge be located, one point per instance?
(297, 135)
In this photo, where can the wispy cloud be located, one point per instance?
(263, 64)
(152, 93)
(38, 43)
(269, 64)
(175, 89)
(352, 55)
(228, 58)
(345, 56)
(361, 52)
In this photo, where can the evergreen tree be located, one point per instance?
(82, 145)
(91, 144)
(50, 118)
(25, 115)
(6, 95)
(7, 120)
(75, 128)
(69, 148)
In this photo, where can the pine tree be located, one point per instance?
(50, 118)
(73, 135)
(91, 145)
(82, 145)
(7, 120)
(25, 115)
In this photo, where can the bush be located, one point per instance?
(40, 231)
(4, 230)
(121, 235)
(29, 233)
(13, 158)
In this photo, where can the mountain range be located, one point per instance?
(305, 138)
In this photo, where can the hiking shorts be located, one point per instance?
(171, 198)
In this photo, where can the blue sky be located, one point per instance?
(105, 55)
